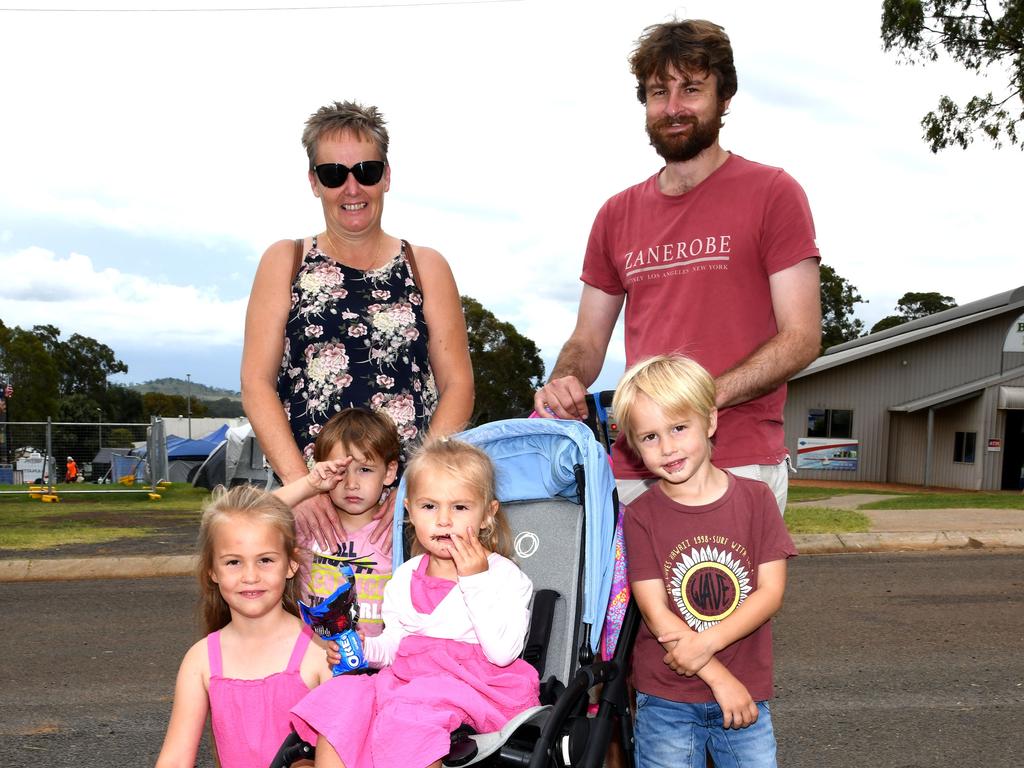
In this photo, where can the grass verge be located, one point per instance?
(975, 500)
(813, 493)
(825, 520)
(86, 518)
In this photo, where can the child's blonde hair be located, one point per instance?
(676, 384)
(250, 503)
(473, 467)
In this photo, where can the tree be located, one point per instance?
(887, 322)
(912, 306)
(980, 40)
(223, 407)
(84, 363)
(28, 365)
(506, 365)
(65, 380)
(123, 404)
(838, 297)
(159, 404)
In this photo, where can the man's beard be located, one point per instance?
(678, 148)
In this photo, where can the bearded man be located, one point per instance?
(714, 257)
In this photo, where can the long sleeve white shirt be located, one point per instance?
(490, 609)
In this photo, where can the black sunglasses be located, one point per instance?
(367, 173)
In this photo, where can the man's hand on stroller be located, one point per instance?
(563, 398)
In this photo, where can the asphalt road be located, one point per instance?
(887, 661)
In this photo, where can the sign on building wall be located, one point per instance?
(1015, 336)
(827, 453)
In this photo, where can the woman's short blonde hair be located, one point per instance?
(366, 122)
(676, 384)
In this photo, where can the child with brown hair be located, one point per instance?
(357, 461)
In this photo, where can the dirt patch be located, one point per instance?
(171, 534)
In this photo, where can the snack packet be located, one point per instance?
(333, 611)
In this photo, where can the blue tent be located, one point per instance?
(182, 448)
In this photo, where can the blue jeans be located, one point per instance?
(670, 734)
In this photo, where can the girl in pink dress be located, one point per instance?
(455, 620)
(258, 661)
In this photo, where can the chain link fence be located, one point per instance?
(98, 453)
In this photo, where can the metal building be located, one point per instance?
(936, 402)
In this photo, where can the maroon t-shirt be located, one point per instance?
(707, 556)
(695, 268)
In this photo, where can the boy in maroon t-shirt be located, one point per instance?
(707, 565)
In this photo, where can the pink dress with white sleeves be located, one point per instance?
(403, 716)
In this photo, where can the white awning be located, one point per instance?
(967, 391)
(1011, 398)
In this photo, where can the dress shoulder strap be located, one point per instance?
(213, 653)
(299, 651)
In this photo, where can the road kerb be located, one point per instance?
(831, 543)
(155, 566)
(68, 569)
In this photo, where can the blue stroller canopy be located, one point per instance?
(536, 459)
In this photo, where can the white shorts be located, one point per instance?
(775, 476)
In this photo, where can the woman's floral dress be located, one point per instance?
(355, 338)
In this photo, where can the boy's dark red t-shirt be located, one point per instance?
(707, 556)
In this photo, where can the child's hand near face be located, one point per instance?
(468, 553)
(325, 475)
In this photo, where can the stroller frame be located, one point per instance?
(561, 641)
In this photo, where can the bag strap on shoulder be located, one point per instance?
(297, 258)
(411, 258)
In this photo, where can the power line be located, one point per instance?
(351, 7)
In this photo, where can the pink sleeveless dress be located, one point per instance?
(250, 717)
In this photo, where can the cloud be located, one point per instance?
(112, 306)
(153, 157)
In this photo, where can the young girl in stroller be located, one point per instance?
(455, 615)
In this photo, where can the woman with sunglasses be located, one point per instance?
(350, 317)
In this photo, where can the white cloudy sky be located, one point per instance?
(148, 158)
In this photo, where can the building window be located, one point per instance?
(827, 422)
(963, 447)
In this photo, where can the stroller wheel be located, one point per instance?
(573, 743)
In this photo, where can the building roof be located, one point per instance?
(961, 392)
(915, 330)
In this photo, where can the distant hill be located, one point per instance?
(181, 387)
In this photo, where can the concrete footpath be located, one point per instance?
(891, 531)
(894, 530)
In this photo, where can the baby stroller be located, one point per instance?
(557, 490)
